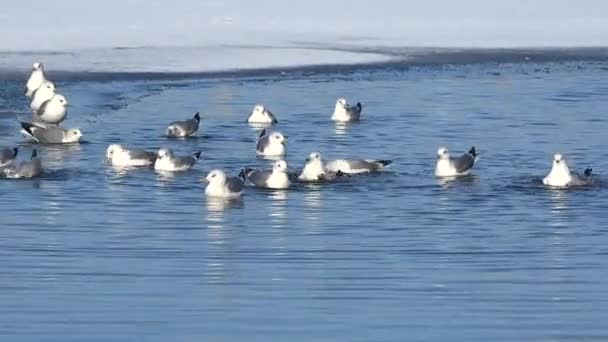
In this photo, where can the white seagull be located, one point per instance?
(221, 186)
(561, 176)
(343, 112)
(451, 167)
(261, 115)
(35, 80)
(167, 161)
(121, 156)
(275, 179)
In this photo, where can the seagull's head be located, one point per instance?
(37, 66)
(164, 153)
(74, 135)
(442, 153)
(559, 161)
(48, 85)
(280, 166)
(277, 137)
(313, 157)
(341, 102)
(258, 108)
(216, 176)
(112, 149)
(61, 100)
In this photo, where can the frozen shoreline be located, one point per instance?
(169, 62)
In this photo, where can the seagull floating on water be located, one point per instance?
(277, 178)
(51, 134)
(355, 166)
(181, 129)
(271, 144)
(315, 171)
(561, 176)
(121, 156)
(262, 115)
(221, 186)
(451, 167)
(167, 161)
(343, 112)
(27, 169)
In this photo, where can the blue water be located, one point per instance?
(89, 253)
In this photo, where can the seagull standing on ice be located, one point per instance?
(35, 80)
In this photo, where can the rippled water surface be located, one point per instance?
(90, 253)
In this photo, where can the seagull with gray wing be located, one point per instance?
(562, 177)
(448, 166)
(181, 129)
(50, 134)
(315, 171)
(343, 112)
(167, 161)
(119, 155)
(277, 178)
(271, 144)
(27, 169)
(221, 186)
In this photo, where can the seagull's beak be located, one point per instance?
(204, 180)
(307, 160)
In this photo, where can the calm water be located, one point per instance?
(89, 253)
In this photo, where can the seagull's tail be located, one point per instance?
(383, 163)
(197, 117)
(244, 173)
(27, 126)
(262, 133)
(588, 172)
(473, 152)
(197, 155)
(359, 106)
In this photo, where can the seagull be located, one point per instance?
(271, 144)
(7, 156)
(343, 112)
(166, 161)
(180, 129)
(355, 166)
(40, 95)
(121, 156)
(27, 169)
(35, 80)
(50, 135)
(561, 176)
(315, 171)
(53, 111)
(451, 167)
(275, 179)
(261, 115)
(221, 186)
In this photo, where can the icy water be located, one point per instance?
(89, 253)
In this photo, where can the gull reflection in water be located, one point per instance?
(54, 156)
(278, 208)
(559, 207)
(217, 236)
(342, 128)
(164, 177)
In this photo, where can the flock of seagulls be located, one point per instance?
(49, 110)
